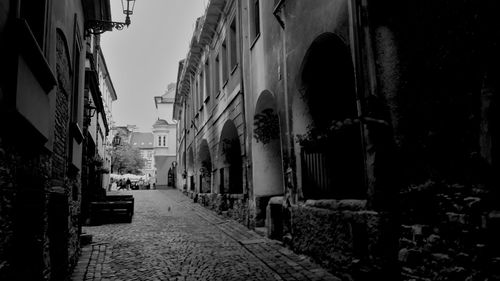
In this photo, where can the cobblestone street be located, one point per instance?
(171, 238)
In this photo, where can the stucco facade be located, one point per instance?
(165, 136)
(210, 109)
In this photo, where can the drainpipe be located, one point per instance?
(248, 149)
(364, 70)
(185, 146)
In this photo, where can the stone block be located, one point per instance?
(335, 238)
(260, 210)
(274, 218)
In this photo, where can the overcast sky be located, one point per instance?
(143, 59)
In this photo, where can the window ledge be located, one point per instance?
(34, 56)
(234, 69)
(76, 132)
(278, 13)
(254, 41)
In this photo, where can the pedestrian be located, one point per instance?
(122, 185)
(114, 186)
(128, 184)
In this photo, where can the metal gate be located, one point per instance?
(317, 174)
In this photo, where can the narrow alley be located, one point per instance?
(171, 238)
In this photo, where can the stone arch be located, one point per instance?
(229, 160)
(267, 161)
(205, 167)
(324, 117)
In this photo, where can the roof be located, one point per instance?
(202, 36)
(161, 122)
(107, 76)
(142, 140)
(168, 97)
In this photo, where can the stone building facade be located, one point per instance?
(360, 133)
(164, 152)
(210, 109)
(41, 106)
(165, 136)
(98, 95)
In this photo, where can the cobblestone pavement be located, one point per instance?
(171, 238)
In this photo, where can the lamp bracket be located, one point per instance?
(96, 27)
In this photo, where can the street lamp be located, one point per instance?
(98, 26)
(129, 10)
(89, 111)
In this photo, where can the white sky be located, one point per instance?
(143, 59)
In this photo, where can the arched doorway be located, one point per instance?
(229, 160)
(190, 169)
(266, 154)
(329, 136)
(205, 167)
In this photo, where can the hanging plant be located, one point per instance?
(102, 170)
(266, 126)
(98, 161)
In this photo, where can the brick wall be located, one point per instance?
(24, 248)
(449, 232)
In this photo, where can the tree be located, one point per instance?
(126, 159)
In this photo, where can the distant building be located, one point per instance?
(165, 104)
(165, 136)
(164, 151)
(144, 142)
(120, 134)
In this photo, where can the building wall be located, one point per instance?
(409, 98)
(165, 111)
(215, 125)
(41, 217)
(40, 150)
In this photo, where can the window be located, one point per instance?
(76, 72)
(164, 141)
(224, 62)
(207, 82)
(34, 14)
(233, 59)
(159, 140)
(217, 74)
(196, 94)
(201, 96)
(255, 19)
